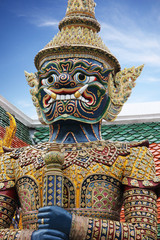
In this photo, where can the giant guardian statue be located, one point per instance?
(73, 187)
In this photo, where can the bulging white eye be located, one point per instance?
(49, 81)
(81, 77)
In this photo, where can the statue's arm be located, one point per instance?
(8, 204)
(140, 209)
(141, 220)
(7, 208)
(140, 192)
(93, 228)
(84, 228)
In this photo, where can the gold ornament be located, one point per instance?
(9, 135)
(33, 82)
(120, 88)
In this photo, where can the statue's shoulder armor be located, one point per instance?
(125, 147)
(139, 170)
(117, 149)
(6, 171)
(140, 162)
(31, 154)
(104, 152)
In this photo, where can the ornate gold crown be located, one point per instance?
(78, 35)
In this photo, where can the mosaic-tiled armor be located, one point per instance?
(74, 186)
(98, 178)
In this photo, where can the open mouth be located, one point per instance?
(64, 95)
(67, 97)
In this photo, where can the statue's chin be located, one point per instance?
(65, 117)
(85, 111)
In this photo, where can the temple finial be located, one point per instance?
(86, 7)
(80, 13)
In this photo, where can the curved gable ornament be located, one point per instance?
(9, 134)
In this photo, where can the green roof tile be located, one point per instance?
(41, 134)
(133, 132)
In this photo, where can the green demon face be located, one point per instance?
(73, 89)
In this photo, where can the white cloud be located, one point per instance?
(24, 104)
(149, 58)
(27, 108)
(133, 46)
(46, 23)
(152, 79)
(38, 18)
(140, 108)
(43, 21)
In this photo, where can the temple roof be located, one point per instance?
(132, 132)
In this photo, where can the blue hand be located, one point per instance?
(48, 234)
(55, 218)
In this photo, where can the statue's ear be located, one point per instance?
(120, 88)
(33, 82)
(31, 79)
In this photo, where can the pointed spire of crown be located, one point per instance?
(86, 7)
(81, 13)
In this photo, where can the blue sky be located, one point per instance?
(129, 28)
